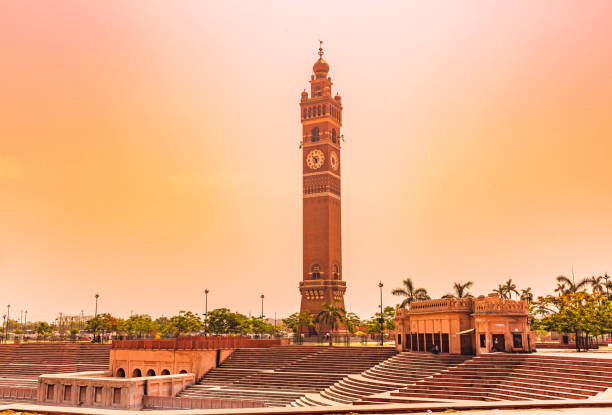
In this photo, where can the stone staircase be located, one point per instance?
(280, 375)
(21, 364)
(495, 377)
(392, 374)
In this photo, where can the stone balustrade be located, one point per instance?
(198, 343)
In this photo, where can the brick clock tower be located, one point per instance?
(321, 117)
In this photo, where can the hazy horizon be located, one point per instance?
(150, 150)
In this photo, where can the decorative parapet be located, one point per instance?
(495, 305)
(442, 305)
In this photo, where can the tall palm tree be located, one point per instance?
(510, 288)
(411, 293)
(527, 295)
(331, 316)
(461, 290)
(501, 291)
(567, 286)
(597, 284)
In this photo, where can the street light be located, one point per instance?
(8, 319)
(206, 291)
(96, 313)
(607, 277)
(262, 314)
(381, 320)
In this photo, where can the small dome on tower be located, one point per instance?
(320, 68)
(327, 91)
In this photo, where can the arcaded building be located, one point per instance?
(468, 326)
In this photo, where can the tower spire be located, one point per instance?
(320, 49)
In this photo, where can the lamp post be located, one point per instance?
(381, 320)
(96, 313)
(206, 291)
(3, 328)
(607, 277)
(262, 314)
(8, 319)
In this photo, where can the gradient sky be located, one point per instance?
(150, 149)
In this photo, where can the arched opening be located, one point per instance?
(136, 373)
(309, 112)
(305, 113)
(334, 136)
(120, 373)
(336, 272)
(316, 272)
(319, 110)
(314, 134)
(150, 372)
(183, 371)
(165, 372)
(324, 109)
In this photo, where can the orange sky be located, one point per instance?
(150, 149)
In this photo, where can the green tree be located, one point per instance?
(259, 326)
(303, 319)
(373, 326)
(139, 325)
(501, 291)
(43, 329)
(223, 321)
(185, 322)
(580, 313)
(331, 316)
(74, 333)
(410, 292)
(353, 322)
(461, 290)
(102, 323)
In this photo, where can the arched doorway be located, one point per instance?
(165, 372)
(136, 373)
(150, 372)
(120, 373)
(183, 371)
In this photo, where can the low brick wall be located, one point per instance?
(198, 343)
(167, 402)
(18, 393)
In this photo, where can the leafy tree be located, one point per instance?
(104, 323)
(43, 329)
(373, 326)
(297, 320)
(73, 333)
(185, 322)
(580, 313)
(410, 292)
(353, 322)
(461, 290)
(223, 321)
(330, 317)
(139, 325)
(259, 326)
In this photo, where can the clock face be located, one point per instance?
(315, 159)
(333, 160)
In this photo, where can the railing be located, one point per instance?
(170, 402)
(501, 306)
(197, 343)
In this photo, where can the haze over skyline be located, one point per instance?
(150, 151)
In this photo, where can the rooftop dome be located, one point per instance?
(320, 68)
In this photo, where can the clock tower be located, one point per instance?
(321, 117)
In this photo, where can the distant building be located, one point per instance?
(465, 326)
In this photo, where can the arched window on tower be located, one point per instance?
(316, 272)
(323, 109)
(305, 112)
(334, 136)
(319, 110)
(309, 112)
(336, 272)
(315, 134)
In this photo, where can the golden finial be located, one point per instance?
(321, 49)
